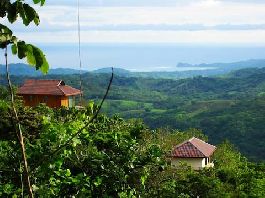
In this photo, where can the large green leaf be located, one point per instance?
(36, 1)
(22, 13)
(40, 60)
(45, 66)
(42, 2)
(6, 36)
(12, 12)
(3, 7)
(21, 49)
(5, 30)
(30, 57)
(31, 14)
(14, 49)
(39, 1)
(25, 11)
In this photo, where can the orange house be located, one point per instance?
(54, 93)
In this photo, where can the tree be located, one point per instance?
(35, 57)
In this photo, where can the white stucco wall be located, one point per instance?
(195, 163)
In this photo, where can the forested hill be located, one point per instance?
(228, 107)
(20, 69)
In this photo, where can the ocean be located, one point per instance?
(145, 57)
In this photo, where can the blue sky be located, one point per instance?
(181, 22)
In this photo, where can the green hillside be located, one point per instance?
(111, 157)
(228, 107)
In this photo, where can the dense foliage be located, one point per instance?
(112, 158)
(104, 160)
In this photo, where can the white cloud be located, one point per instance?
(138, 3)
(206, 13)
(256, 37)
(59, 22)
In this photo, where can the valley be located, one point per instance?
(231, 106)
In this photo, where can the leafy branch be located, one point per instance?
(20, 9)
(34, 55)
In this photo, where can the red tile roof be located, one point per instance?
(193, 147)
(47, 87)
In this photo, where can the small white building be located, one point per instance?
(194, 152)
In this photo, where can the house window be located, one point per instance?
(45, 99)
(30, 98)
(71, 101)
(206, 161)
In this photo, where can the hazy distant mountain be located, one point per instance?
(188, 70)
(20, 69)
(118, 71)
(258, 63)
(65, 71)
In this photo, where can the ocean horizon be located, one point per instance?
(144, 57)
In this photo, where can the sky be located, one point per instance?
(119, 25)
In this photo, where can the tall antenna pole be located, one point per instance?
(79, 51)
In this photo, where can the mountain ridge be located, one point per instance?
(213, 69)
